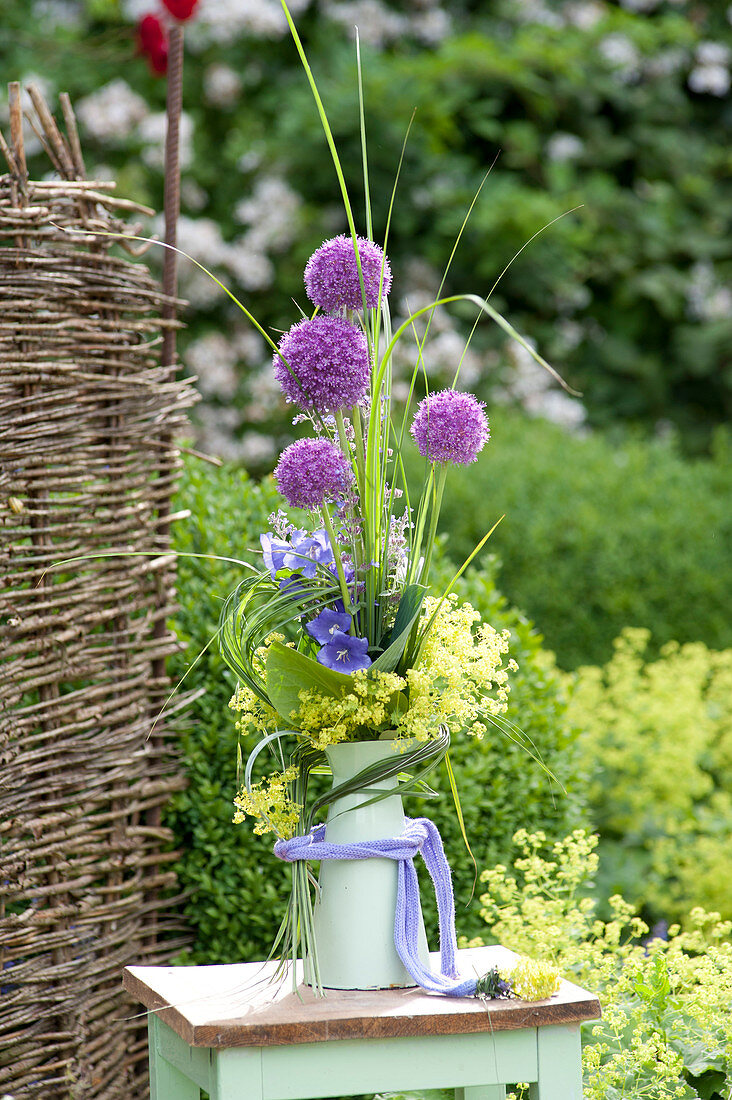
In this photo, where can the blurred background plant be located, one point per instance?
(623, 108)
(658, 749)
(601, 533)
(616, 502)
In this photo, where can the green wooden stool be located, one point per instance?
(235, 1033)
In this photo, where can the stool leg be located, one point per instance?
(236, 1074)
(560, 1064)
(167, 1082)
(481, 1092)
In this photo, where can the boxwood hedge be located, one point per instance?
(600, 534)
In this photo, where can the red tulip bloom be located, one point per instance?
(152, 43)
(181, 9)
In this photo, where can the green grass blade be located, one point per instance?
(364, 156)
(418, 761)
(145, 554)
(151, 240)
(458, 238)
(511, 331)
(390, 211)
(533, 238)
(329, 139)
(488, 309)
(490, 292)
(461, 821)
(259, 747)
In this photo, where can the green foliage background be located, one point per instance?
(657, 747)
(600, 534)
(606, 292)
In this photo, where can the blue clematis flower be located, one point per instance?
(344, 653)
(327, 624)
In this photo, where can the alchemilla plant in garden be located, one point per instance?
(665, 1032)
(336, 640)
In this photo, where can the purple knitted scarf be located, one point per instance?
(420, 835)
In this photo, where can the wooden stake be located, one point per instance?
(172, 186)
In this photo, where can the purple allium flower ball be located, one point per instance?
(331, 274)
(450, 427)
(311, 472)
(329, 359)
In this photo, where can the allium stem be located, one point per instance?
(342, 437)
(358, 444)
(440, 476)
(419, 525)
(368, 451)
(348, 452)
(347, 602)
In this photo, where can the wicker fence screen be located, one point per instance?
(87, 419)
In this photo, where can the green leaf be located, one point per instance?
(698, 1059)
(290, 672)
(461, 820)
(710, 1085)
(416, 762)
(408, 611)
(453, 582)
(409, 605)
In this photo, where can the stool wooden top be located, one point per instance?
(243, 1004)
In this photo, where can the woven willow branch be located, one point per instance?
(88, 462)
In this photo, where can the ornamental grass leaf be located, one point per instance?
(410, 607)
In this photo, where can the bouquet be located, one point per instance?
(338, 638)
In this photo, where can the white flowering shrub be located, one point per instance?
(620, 107)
